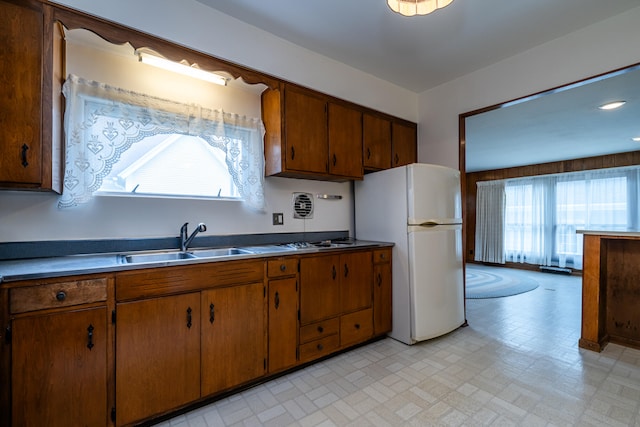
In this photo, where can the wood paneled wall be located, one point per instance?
(589, 163)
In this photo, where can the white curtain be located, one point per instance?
(490, 211)
(126, 117)
(591, 200)
(526, 221)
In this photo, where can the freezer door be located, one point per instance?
(436, 281)
(433, 194)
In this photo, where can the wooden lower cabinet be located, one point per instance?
(234, 336)
(283, 323)
(336, 302)
(141, 344)
(382, 291)
(59, 369)
(157, 356)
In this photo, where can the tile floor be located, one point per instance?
(516, 364)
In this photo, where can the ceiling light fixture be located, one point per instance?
(176, 67)
(612, 105)
(416, 7)
(636, 139)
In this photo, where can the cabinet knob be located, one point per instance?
(283, 267)
(61, 296)
(320, 329)
(320, 347)
(357, 325)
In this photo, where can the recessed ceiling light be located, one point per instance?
(636, 139)
(612, 105)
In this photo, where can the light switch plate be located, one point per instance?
(278, 218)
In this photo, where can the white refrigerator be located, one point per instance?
(417, 207)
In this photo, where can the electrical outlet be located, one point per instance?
(278, 218)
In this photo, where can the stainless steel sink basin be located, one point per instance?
(156, 257)
(212, 253)
(265, 249)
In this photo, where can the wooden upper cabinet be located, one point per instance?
(345, 141)
(376, 142)
(29, 158)
(404, 144)
(309, 136)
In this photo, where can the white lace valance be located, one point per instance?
(101, 122)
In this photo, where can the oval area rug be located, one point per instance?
(490, 282)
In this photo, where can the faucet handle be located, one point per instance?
(202, 227)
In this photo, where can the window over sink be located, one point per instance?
(136, 131)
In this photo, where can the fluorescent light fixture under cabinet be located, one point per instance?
(176, 67)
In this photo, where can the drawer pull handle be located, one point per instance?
(335, 160)
(90, 337)
(357, 325)
(368, 153)
(212, 314)
(23, 155)
(320, 329)
(61, 296)
(397, 159)
(346, 270)
(320, 347)
(293, 153)
(189, 317)
(379, 280)
(277, 300)
(283, 267)
(383, 256)
(333, 273)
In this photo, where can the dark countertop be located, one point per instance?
(39, 268)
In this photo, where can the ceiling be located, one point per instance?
(562, 125)
(420, 52)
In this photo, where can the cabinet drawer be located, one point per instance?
(318, 330)
(319, 348)
(172, 280)
(54, 295)
(381, 255)
(356, 327)
(282, 267)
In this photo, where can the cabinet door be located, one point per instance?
(345, 141)
(319, 288)
(381, 298)
(283, 323)
(158, 356)
(404, 141)
(21, 38)
(355, 288)
(306, 146)
(376, 140)
(234, 341)
(59, 369)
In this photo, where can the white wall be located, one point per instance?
(610, 44)
(26, 216)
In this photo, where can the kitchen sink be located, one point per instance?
(156, 257)
(212, 253)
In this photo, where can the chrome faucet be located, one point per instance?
(186, 241)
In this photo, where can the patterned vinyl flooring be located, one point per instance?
(516, 364)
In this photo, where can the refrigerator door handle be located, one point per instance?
(429, 224)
